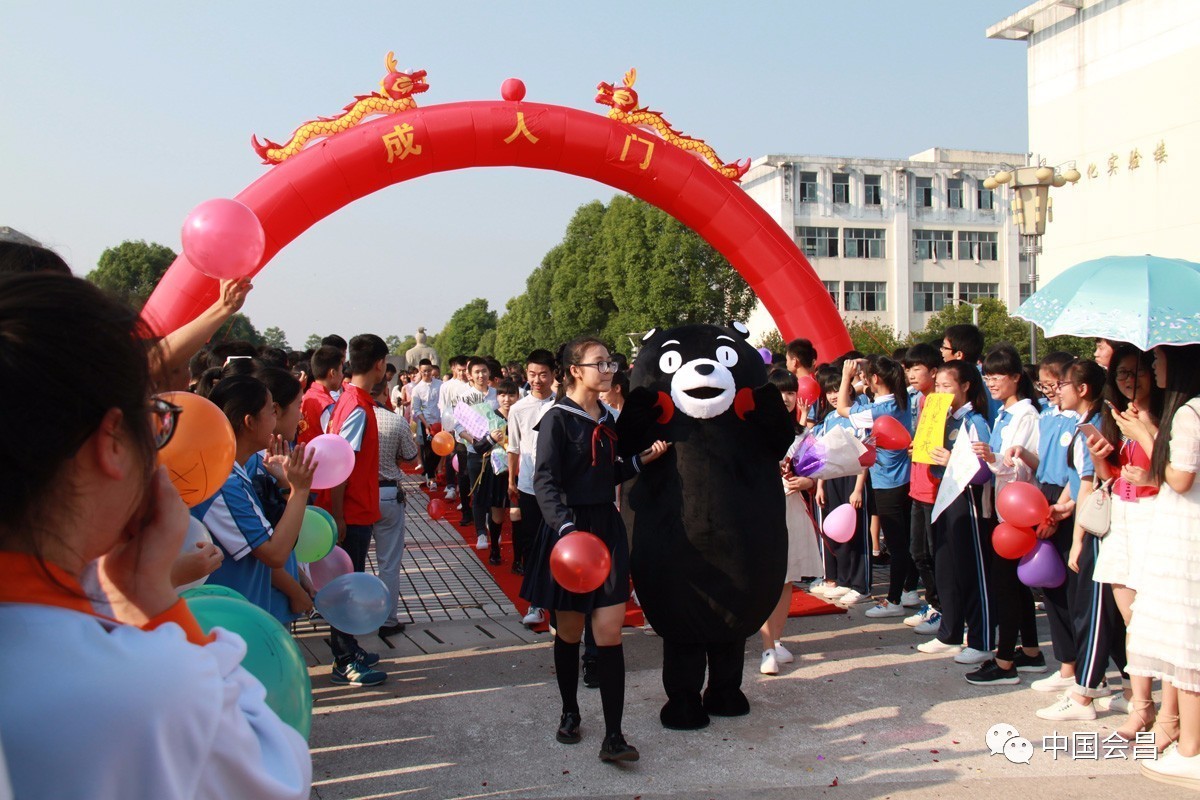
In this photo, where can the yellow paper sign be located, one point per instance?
(931, 428)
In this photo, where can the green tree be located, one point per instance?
(275, 337)
(313, 341)
(132, 269)
(872, 337)
(239, 329)
(397, 346)
(465, 329)
(773, 341)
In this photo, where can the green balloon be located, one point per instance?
(317, 536)
(328, 518)
(272, 655)
(212, 590)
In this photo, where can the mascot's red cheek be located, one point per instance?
(665, 407)
(743, 402)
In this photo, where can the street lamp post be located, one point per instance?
(1032, 207)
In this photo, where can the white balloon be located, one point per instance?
(196, 533)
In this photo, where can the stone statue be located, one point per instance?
(422, 350)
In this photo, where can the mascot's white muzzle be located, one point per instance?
(703, 389)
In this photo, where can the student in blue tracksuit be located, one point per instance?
(1099, 629)
(961, 552)
(847, 564)
(889, 476)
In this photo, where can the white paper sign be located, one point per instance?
(963, 466)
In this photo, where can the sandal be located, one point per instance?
(1166, 731)
(1141, 717)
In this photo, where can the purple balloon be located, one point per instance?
(1042, 567)
(767, 357)
(334, 459)
(334, 565)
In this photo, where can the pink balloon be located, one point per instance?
(334, 458)
(840, 523)
(223, 239)
(331, 566)
(454, 461)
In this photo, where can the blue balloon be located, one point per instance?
(357, 603)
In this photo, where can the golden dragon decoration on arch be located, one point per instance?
(623, 107)
(396, 94)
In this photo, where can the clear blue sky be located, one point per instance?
(118, 118)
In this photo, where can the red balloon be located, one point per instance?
(868, 458)
(223, 239)
(890, 434)
(580, 562)
(1023, 505)
(808, 389)
(436, 508)
(1009, 541)
(513, 90)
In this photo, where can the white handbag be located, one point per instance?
(1094, 514)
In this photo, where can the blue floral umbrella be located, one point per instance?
(1143, 300)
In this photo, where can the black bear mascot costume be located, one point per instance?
(709, 534)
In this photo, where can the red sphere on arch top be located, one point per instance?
(513, 89)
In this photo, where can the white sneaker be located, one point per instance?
(938, 647)
(1065, 708)
(782, 654)
(648, 629)
(931, 625)
(816, 585)
(885, 609)
(834, 592)
(970, 655)
(1114, 702)
(769, 665)
(1052, 683)
(851, 597)
(922, 614)
(911, 600)
(1173, 768)
(535, 616)
(481, 542)
(451, 494)
(432, 484)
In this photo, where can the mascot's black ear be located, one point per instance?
(649, 333)
(741, 328)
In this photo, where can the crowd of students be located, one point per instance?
(91, 532)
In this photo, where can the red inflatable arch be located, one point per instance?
(322, 178)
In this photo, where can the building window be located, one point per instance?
(954, 193)
(986, 199)
(925, 192)
(872, 190)
(973, 292)
(933, 245)
(832, 288)
(808, 187)
(977, 245)
(841, 188)
(932, 296)
(1025, 292)
(818, 242)
(864, 242)
(865, 296)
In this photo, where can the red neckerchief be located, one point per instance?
(31, 581)
(601, 430)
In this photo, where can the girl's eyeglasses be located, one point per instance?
(603, 367)
(165, 418)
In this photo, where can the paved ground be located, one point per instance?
(470, 708)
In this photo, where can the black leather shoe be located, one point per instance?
(392, 630)
(591, 678)
(495, 560)
(518, 568)
(466, 522)
(568, 728)
(615, 748)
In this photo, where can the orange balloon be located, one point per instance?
(443, 443)
(199, 456)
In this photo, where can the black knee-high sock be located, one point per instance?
(494, 535)
(566, 668)
(610, 669)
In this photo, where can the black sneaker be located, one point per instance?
(590, 677)
(568, 728)
(615, 748)
(991, 674)
(1025, 663)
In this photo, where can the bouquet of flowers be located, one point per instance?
(835, 455)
